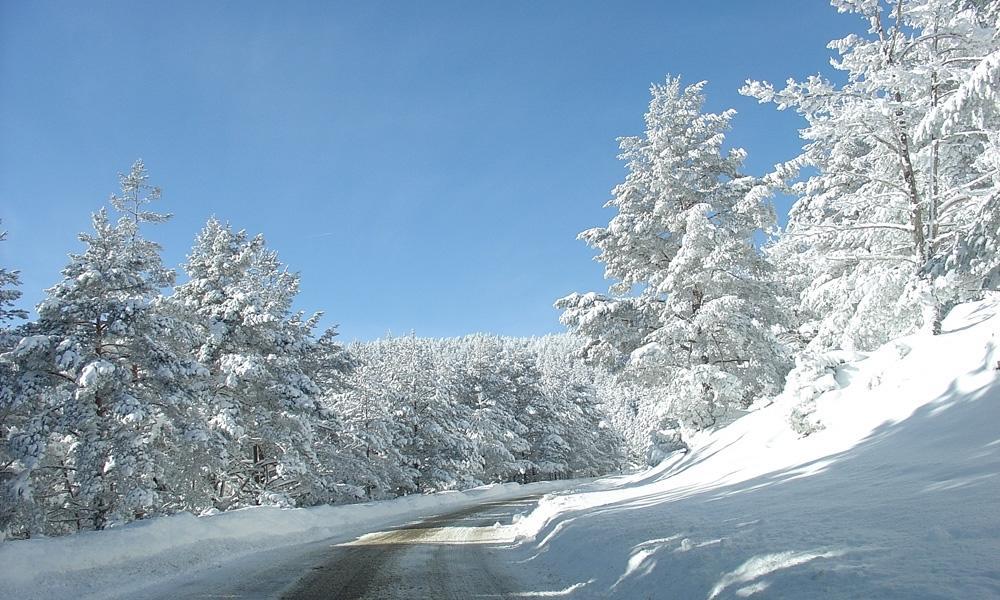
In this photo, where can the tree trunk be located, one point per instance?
(913, 194)
(932, 308)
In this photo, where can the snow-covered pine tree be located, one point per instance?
(578, 440)
(370, 436)
(13, 473)
(632, 426)
(262, 405)
(329, 366)
(490, 387)
(691, 310)
(105, 390)
(969, 261)
(405, 404)
(10, 280)
(426, 388)
(899, 169)
(424, 414)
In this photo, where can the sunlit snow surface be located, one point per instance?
(897, 497)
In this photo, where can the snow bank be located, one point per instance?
(108, 563)
(894, 496)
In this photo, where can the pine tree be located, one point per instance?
(489, 372)
(9, 294)
(105, 389)
(426, 414)
(262, 406)
(579, 440)
(898, 168)
(369, 449)
(13, 471)
(692, 309)
(426, 389)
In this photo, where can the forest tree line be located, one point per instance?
(121, 402)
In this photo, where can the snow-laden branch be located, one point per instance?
(976, 97)
(826, 229)
(876, 257)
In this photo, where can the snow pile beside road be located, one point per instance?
(106, 563)
(895, 495)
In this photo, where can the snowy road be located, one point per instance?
(457, 555)
(463, 553)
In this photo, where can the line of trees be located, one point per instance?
(120, 402)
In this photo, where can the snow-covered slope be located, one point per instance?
(897, 497)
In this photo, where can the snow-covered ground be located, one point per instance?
(145, 558)
(898, 496)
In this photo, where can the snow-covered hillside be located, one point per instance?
(897, 497)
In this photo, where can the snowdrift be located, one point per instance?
(897, 495)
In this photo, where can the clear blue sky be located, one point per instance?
(424, 165)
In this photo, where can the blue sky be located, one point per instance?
(425, 166)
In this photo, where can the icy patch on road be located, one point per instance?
(438, 535)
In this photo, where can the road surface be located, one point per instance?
(461, 554)
(454, 556)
